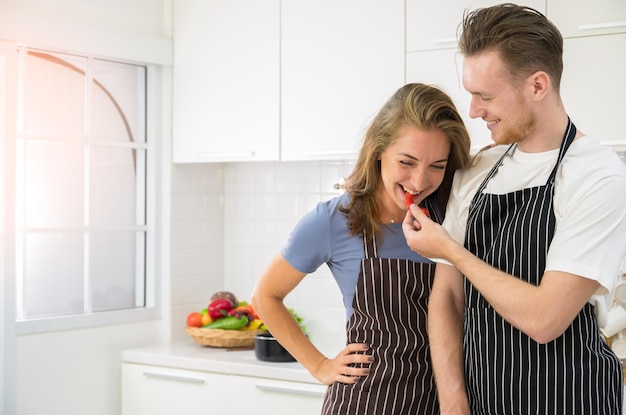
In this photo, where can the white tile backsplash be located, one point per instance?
(227, 223)
(278, 194)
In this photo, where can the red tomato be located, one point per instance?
(194, 319)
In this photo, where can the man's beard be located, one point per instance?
(518, 132)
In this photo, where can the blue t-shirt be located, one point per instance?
(322, 237)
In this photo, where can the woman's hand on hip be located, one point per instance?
(349, 366)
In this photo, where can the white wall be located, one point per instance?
(77, 372)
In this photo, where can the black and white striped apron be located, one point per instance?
(506, 371)
(390, 314)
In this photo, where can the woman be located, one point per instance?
(410, 153)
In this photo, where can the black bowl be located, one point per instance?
(267, 349)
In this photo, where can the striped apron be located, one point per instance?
(506, 371)
(390, 313)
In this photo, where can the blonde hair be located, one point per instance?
(418, 105)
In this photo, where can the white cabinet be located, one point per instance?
(340, 60)
(584, 17)
(593, 86)
(226, 80)
(165, 391)
(157, 390)
(281, 79)
(433, 25)
(275, 397)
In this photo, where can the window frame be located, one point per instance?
(152, 308)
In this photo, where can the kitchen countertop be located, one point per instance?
(191, 356)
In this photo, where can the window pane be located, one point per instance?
(116, 259)
(53, 189)
(54, 95)
(115, 181)
(118, 110)
(53, 274)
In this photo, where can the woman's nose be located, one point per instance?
(419, 180)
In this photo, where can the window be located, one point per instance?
(82, 184)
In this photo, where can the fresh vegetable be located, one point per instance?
(408, 199)
(255, 324)
(194, 319)
(206, 318)
(225, 294)
(219, 308)
(229, 323)
(245, 309)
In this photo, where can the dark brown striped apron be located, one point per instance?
(390, 308)
(508, 373)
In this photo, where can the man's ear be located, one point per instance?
(539, 84)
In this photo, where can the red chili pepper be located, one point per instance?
(408, 198)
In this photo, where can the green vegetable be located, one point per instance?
(298, 319)
(228, 323)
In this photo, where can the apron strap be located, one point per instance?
(369, 246)
(568, 138)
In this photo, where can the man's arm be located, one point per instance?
(445, 332)
(542, 312)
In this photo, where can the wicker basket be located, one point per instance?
(222, 338)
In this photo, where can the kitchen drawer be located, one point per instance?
(276, 397)
(157, 390)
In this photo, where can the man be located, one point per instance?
(533, 230)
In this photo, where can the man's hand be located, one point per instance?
(427, 238)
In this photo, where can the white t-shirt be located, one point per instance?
(589, 204)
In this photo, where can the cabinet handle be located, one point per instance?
(177, 378)
(312, 390)
(226, 156)
(606, 25)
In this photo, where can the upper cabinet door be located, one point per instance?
(341, 59)
(594, 86)
(434, 25)
(226, 80)
(585, 18)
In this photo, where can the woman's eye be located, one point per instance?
(406, 163)
(439, 167)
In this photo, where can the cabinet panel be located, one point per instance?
(585, 17)
(275, 397)
(164, 391)
(340, 61)
(431, 25)
(443, 68)
(226, 80)
(594, 86)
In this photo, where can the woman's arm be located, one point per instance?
(278, 280)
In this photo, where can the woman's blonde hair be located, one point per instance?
(424, 107)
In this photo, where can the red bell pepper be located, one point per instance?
(219, 308)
